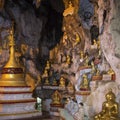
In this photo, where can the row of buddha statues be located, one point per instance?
(61, 82)
(110, 108)
(95, 72)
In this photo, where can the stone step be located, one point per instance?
(17, 101)
(20, 115)
(15, 95)
(9, 107)
(15, 88)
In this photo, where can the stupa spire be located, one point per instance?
(12, 73)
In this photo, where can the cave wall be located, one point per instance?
(37, 29)
(109, 27)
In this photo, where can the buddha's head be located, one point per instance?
(110, 96)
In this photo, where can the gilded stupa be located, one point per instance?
(12, 74)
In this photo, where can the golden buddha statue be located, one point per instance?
(46, 82)
(68, 60)
(86, 60)
(77, 39)
(69, 10)
(110, 108)
(45, 74)
(93, 67)
(56, 98)
(47, 65)
(70, 86)
(97, 72)
(85, 83)
(62, 82)
(64, 39)
(54, 82)
(98, 44)
(81, 55)
(112, 73)
(95, 42)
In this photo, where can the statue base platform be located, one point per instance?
(12, 82)
(54, 109)
(83, 92)
(16, 102)
(96, 78)
(54, 87)
(84, 67)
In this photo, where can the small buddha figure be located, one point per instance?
(85, 83)
(97, 72)
(56, 98)
(46, 82)
(54, 82)
(94, 42)
(70, 86)
(65, 38)
(112, 73)
(98, 44)
(47, 65)
(81, 56)
(69, 10)
(86, 60)
(93, 67)
(68, 60)
(45, 74)
(77, 39)
(62, 82)
(110, 108)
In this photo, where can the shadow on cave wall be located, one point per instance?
(41, 27)
(37, 27)
(51, 13)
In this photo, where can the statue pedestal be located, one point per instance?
(96, 78)
(16, 102)
(83, 92)
(54, 109)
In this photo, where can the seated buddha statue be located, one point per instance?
(77, 39)
(56, 98)
(46, 82)
(86, 60)
(62, 82)
(112, 73)
(110, 109)
(93, 67)
(45, 74)
(97, 72)
(69, 10)
(54, 82)
(47, 65)
(81, 56)
(68, 60)
(70, 86)
(85, 83)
